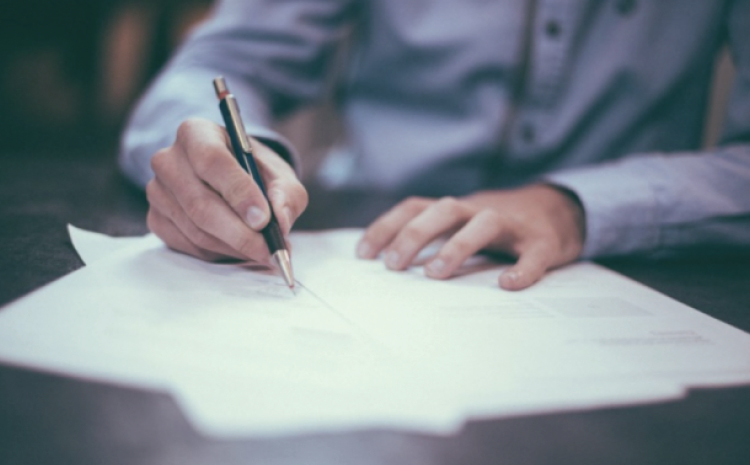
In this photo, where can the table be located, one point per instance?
(49, 419)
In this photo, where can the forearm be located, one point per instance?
(273, 55)
(175, 97)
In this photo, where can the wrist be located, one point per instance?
(569, 206)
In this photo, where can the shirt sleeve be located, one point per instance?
(274, 56)
(662, 203)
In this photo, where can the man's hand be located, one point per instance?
(204, 204)
(540, 225)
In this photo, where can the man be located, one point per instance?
(546, 129)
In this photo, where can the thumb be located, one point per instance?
(530, 267)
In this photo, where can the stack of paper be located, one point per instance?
(359, 346)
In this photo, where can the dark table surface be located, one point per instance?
(50, 419)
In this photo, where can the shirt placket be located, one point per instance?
(549, 51)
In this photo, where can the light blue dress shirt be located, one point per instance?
(446, 97)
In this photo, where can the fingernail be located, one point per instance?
(363, 249)
(509, 278)
(255, 217)
(436, 267)
(392, 259)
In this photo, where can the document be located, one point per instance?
(358, 346)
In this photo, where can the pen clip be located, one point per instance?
(239, 126)
(235, 119)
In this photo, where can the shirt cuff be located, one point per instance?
(175, 98)
(276, 142)
(620, 206)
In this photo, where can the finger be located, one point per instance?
(207, 210)
(286, 194)
(162, 201)
(289, 199)
(206, 146)
(531, 265)
(382, 231)
(481, 230)
(440, 217)
(175, 239)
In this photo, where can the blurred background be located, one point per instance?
(71, 70)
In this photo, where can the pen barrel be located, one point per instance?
(237, 135)
(272, 235)
(243, 153)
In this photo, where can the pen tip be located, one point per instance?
(285, 266)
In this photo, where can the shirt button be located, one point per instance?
(625, 7)
(528, 133)
(552, 29)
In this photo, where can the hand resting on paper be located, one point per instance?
(201, 202)
(541, 225)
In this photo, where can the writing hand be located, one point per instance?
(201, 202)
(540, 225)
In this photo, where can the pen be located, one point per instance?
(243, 152)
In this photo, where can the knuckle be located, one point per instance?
(458, 246)
(299, 193)
(489, 215)
(415, 204)
(412, 234)
(151, 192)
(548, 249)
(159, 202)
(160, 161)
(490, 219)
(200, 144)
(200, 239)
(198, 210)
(187, 128)
(449, 205)
(153, 223)
(238, 189)
(205, 159)
(380, 229)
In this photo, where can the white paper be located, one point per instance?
(92, 246)
(359, 346)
